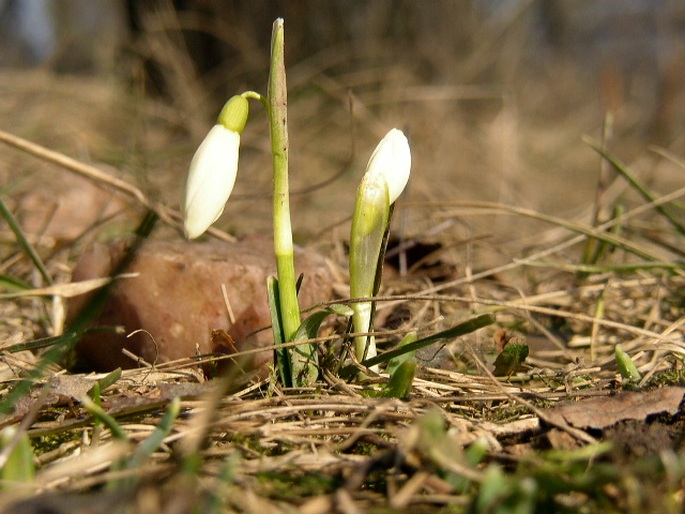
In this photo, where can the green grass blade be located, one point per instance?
(99, 414)
(13, 283)
(24, 243)
(637, 185)
(61, 346)
(105, 382)
(19, 464)
(156, 438)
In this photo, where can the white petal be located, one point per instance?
(210, 180)
(392, 159)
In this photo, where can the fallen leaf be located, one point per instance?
(70, 387)
(607, 411)
(58, 390)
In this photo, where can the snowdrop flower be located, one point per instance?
(386, 177)
(213, 170)
(392, 159)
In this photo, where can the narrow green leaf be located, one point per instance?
(511, 357)
(14, 284)
(459, 330)
(399, 385)
(67, 338)
(401, 370)
(396, 362)
(304, 363)
(280, 354)
(309, 329)
(626, 366)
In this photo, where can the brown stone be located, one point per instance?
(177, 299)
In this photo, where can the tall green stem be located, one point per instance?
(302, 358)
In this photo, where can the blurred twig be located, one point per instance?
(103, 180)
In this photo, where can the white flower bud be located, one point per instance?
(392, 159)
(213, 170)
(386, 177)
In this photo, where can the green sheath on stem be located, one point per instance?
(369, 223)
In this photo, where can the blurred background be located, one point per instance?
(495, 97)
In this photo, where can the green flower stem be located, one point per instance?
(283, 240)
(304, 356)
(365, 346)
(252, 95)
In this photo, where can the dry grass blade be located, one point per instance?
(102, 179)
(636, 184)
(68, 290)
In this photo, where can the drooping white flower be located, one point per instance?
(213, 170)
(392, 159)
(210, 180)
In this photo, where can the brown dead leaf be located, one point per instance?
(58, 390)
(606, 411)
(70, 387)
